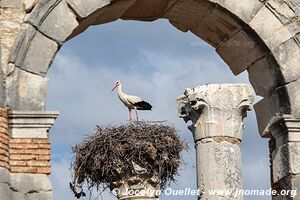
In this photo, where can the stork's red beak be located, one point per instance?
(114, 87)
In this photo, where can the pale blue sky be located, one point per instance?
(155, 61)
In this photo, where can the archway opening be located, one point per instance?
(155, 61)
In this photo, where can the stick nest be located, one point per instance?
(111, 153)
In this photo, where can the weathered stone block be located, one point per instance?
(216, 27)
(29, 186)
(104, 15)
(39, 55)
(288, 58)
(265, 76)
(282, 10)
(294, 96)
(86, 7)
(283, 100)
(59, 23)
(185, 14)
(240, 52)
(244, 9)
(19, 50)
(270, 28)
(289, 186)
(11, 3)
(295, 5)
(5, 184)
(27, 91)
(42, 9)
(285, 160)
(147, 10)
(36, 182)
(33, 51)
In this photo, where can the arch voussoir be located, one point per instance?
(84, 8)
(146, 10)
(104, 15)
(262, 37)
(184, 15)
(56, 20)
(33, 51)
(288, 58)
(245, 10)
(217, 27)
(269, 27)
(241, 51)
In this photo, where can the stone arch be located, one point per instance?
(260, 36)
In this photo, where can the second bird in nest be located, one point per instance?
(131, 102)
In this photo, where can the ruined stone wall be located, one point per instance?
(25, 155)
(262, 37)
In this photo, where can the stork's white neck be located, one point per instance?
(120, 92)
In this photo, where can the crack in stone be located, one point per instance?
(11, 187)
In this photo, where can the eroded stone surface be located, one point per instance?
(147, 10)
(5, 184)
(244, 9)
(271, 79)
(240, 52)
(27, 91)
(104, 15)
(285, 160)
(59, 23)
(288, 58)
(11, 3)
(33, 51)
(185, 14)
(219, 168)
(10, 26)
(270, 28)
(37, 186)
(29, 4)
(87, 7)
(216, 27)
(216, 109)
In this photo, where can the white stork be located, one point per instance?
(131, 102)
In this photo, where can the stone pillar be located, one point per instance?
(138, 187)
(284, 156)
(216, 112)
(30, 154)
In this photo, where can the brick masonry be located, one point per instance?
(29, 155)
(23, 155)
(4, 140)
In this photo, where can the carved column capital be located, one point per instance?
(216, 109)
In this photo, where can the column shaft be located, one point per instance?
(216, 112)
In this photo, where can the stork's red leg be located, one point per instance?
(130, 118)
(137, 115)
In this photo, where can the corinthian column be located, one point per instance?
(216, 112)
